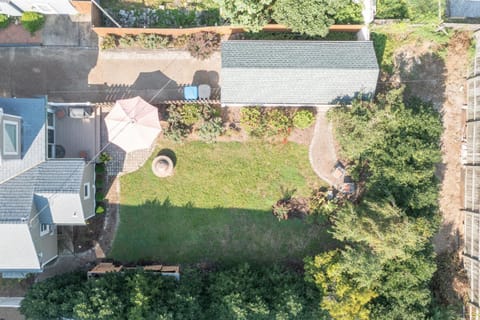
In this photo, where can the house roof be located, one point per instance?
(464, 8)
(296, 72)
(6, 7)
(54, 177)
(22, 254)
(33, 151)
(46, 6)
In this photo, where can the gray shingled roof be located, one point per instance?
(296, 72)
(53, 176)
(33, 114)
(464, 8)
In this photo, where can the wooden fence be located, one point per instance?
(224, 30)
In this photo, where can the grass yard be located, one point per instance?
(217, 206)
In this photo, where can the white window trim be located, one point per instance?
(86, 195)
(46, 231)
(18, 138)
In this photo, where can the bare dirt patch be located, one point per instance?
(456, 64)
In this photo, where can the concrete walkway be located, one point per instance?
(322, 149)
(10, 302)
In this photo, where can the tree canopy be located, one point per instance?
(387, 262)
(241, 292)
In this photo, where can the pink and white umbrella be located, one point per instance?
(133, 124)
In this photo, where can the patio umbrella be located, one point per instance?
(133, 124)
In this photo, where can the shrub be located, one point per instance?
(100, 168)
(100, 209)
(278, 122)
(180, 41)
(105, 157)
(392, 9)
(32, 21)
(177, 129)
(211, 130)
(303, 119)
(153, 41)
(202, 45)
(190, 113)
(350, 13)
(252, 121)
(4, 21)
(108, 42)
(127, 41)
(99, 196)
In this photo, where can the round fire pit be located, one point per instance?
(162, 166)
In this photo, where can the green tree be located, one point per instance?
(53, 298)
(251, 14)
(310, 17)
(383, 227)
(343, 298)
(404, 291)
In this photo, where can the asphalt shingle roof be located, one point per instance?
(464, 8)
(296, 72)
(53, 176)
(298, 54)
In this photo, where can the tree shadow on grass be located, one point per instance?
(162, 232)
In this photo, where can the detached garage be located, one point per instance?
(296, 73)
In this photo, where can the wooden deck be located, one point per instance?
(79, 136)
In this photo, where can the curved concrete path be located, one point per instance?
(322, 149)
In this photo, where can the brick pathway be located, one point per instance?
(16, 34)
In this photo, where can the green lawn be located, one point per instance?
(217, 206)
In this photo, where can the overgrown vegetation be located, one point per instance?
(32, 21)
(270, 122)
(387, 39)
(310, 17)
(4, 21)
(387, 263)
(202, 119)
(242, 292)
(201, 45)
(268, 35)
(415, 10)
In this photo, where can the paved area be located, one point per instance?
(16, 34)
(322, 149)
(65, 30)
(75, 74)
(10, 314)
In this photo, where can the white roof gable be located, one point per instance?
(17, 251)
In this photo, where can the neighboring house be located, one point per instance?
(37, 191)
(15, 8)
(463, 8)
(297, 73)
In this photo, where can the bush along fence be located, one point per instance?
(31, 21)
(101, 182)
(201, 45)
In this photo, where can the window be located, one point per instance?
(10, 138)
(86, 191)
(44, 229)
